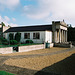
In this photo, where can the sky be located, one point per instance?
(36, 12)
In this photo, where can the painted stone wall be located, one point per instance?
(31, 47)
(6, 50)
(48, 36)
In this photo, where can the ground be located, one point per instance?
(54, 61)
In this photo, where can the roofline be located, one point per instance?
(31, 25)
(28, 31)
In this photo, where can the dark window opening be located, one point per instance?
(26, 35)
(36, 35)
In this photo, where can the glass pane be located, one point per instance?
(27, 36)
(34, 35)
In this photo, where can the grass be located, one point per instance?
(3, 46)
(5, 73)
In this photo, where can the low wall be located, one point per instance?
(6, 50)
(24, 48)
(31, 47)
(51, 45)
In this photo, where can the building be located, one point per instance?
(3, 29)
(54, 33)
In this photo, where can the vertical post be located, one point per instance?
(59, 35)
(62, 36)
(66, 36)
(56, 36)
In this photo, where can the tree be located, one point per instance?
(11, 36)
(69, 26)
(18, 36)
(71, 33)
(9, 26)
(3, 24)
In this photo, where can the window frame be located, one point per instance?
(36, 35)
(27, 36)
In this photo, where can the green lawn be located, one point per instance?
(5, 73)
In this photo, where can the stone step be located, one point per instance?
(66, 45)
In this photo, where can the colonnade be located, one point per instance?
(60, 36)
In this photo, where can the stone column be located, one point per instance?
(62, 36)
(55, 36)
(66, 37)
(59, 35)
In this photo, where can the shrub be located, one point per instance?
(0, 42)
(29, 41)
(13, 42)
(11, 36)
(18, 36)
(1, 38)
(22, 42)
(3, 41)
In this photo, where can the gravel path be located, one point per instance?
(35, 55)
(23, 71)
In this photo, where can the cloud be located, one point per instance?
(6, 21)
(35, 12)
(10, 4)
(52, 9)
(13, 25)
(13, 19)
(6, 18)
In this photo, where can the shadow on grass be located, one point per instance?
(64, 67)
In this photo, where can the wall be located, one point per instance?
(0, 25)
(0, 30)
(51, 45)
(41, 40)
(6, 50)
(48, 36)
(5, 28)
(24, 48)
(31, 47)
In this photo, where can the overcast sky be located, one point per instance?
(35, 12)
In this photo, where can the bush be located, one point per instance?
(29, 41)
(3, 41)
(22, 42)
(1, 38)
(13, 42)
(0, 42)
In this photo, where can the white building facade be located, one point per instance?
(54, 33)
(43, 36)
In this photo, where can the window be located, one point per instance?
(26, 35)
(36, 35)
